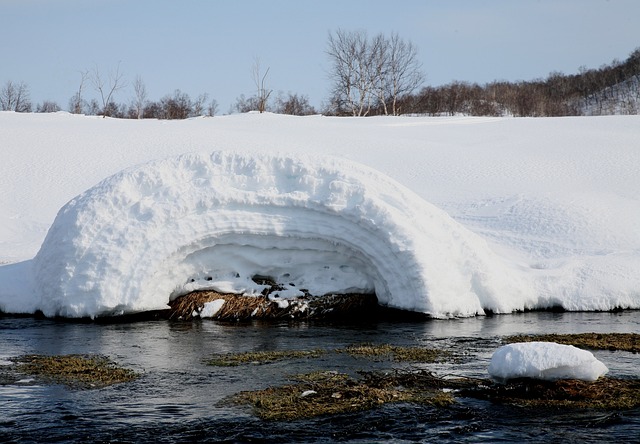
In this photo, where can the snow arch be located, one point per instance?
(324, 224)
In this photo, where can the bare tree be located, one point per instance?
(367, 71)
(76, 103)
(404, 73)
(93, 108)
(153, 110)
(15, 97)
(107, 87)
(140, 98)
(294, 104)
(352, 74)
(262, 93)
(48, 107)
(342, 54)
(198, 108)
(359, 71)
(245, 104)
(380, 71)
(212, 109)
(176, 106)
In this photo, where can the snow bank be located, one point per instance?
(213, 221)
(544, 360)
(559, 197)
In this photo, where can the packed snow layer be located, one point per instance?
(557, 200)
(321, 224)
(545, 360)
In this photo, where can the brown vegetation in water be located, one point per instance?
(330, 392)
(242, 308)
(596, 341)
(397, 353)
(260, 357)
(368, 351)
(80, 371)
(327, 392)
(605, 393)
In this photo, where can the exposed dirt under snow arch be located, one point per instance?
(213, 221)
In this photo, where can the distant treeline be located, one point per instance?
(610, 89)
(371, 76)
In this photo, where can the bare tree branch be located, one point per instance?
(107, 87)
(259, 80)
(140, 100)
(76, 103)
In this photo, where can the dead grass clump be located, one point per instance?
(235, 306)
(260, 357)
(81, 371)
(330, 393)
(396, 353)
(369, 351)
(242, 307)
(605, 393)
(422, 380)
(596, 341)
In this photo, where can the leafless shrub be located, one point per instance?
(15, 97)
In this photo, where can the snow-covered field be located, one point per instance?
(476, 213)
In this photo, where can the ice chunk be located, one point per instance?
(544, 360)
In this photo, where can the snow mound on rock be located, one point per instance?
(544, 360)
(214, 221)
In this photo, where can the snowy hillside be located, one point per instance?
(620, 99)
(477, 213)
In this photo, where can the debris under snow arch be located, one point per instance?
(315, 225)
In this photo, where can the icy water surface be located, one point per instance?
(177, 398)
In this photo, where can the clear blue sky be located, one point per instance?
(210, 46)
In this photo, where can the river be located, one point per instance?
(177, 398)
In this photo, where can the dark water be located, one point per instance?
(177, 399)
